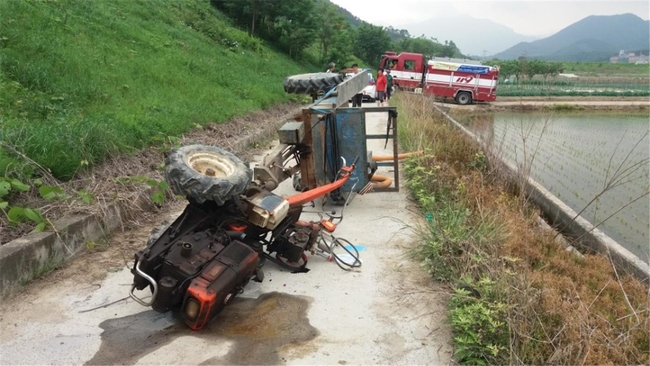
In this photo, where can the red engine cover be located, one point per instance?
(218, 283)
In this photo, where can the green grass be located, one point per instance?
(606, 68)
(82, 79)
(576, 90)
(570, 93)
(584, 86)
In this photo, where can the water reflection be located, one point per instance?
(597, 161)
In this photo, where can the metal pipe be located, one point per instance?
(153, 283)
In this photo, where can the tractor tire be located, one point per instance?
(206, 173)
(157, 232)
(464, 98)
(312, 83)
(296, 182)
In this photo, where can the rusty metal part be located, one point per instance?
(273, 169)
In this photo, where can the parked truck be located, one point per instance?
(465, 81)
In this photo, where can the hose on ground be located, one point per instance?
(400, 156)
(381, 181)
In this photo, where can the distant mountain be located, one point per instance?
(472, 36)
(594, 38)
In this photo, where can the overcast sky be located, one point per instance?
(533, 18)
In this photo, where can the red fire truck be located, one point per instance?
(465, 82)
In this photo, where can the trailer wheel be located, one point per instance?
(464, 98)
(312, 83)
(206, 173)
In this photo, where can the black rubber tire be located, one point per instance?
(185, 167)
(296, 182)
(464, 98)
(157, 232)
(312, 83)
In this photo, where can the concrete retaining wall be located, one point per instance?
(30, 256)
(561, 216)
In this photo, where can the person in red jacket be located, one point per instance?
(381, 85)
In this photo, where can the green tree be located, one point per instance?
(533, 67)
(329, 33)
(287, 24)
(422, 45)
(370, 43)
(397, 34)
(341, 50)
(552, 68)
(507, 68)
(430, 47)
(246, 13)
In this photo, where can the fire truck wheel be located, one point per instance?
(464, 98)
(312, 83)
(206, 173)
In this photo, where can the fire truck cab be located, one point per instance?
(407, 69)
(465, 81)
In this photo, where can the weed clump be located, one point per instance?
(519, 297)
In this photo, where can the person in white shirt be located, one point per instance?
(330, 67)
(358, 98)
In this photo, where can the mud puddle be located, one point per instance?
(258, 329)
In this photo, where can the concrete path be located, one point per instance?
(389, 312)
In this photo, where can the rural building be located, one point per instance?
(629, 57)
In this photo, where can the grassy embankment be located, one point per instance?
(83, 79)
(520, 297)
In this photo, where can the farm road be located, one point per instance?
(389, 312)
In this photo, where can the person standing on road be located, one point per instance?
(389, 84)
(381, 85)
(330, 67)
(358, 98)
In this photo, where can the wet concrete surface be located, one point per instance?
(387, 312)
(257, 328)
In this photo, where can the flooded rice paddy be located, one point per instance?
(595, 163)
